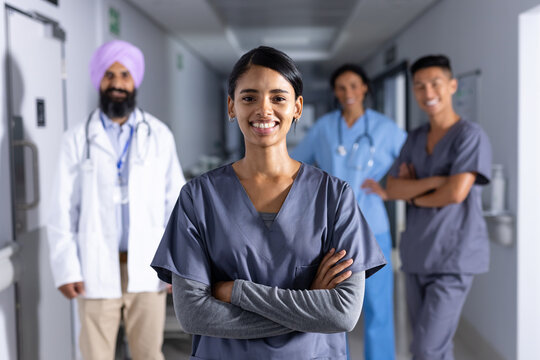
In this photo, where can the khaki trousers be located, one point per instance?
(144, 320)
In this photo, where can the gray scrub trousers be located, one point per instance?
(442, 248)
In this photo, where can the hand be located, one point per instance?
(169, 289)
(72, 290)
(327, 274)
(222, 290)
(406, 171)
(373, 187)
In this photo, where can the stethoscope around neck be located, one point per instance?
(136, 132)
(342, 151)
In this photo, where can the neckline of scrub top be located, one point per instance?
(268, 218)
(444, 139)
(253, 211)
(343, 123)
(268, 215)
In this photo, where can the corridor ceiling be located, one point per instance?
(318, 34)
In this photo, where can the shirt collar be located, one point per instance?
(108, 123)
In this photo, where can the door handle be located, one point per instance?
(35, 176)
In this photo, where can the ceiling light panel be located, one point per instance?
(299, 26)
(261, 13)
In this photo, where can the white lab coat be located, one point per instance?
(82, 228)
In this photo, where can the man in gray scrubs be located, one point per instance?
(439, 172)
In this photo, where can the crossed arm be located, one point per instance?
(246, 310)
(434, 191)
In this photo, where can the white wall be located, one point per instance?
(189, 100)
(528, 189)
(197, 101)
(153, 41)
(481, 34)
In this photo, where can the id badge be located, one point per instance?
(120, 195)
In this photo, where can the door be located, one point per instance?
(36, 114)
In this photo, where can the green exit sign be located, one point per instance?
(114, 21)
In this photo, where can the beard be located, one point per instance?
(114, 108)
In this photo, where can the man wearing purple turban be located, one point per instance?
(118, 179)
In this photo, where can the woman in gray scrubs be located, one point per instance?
(255, 250)
(439, 172)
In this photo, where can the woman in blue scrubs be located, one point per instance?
(359, 145)
(267, 256)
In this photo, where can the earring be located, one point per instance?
(231, 120)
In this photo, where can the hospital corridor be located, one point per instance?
(288, 179)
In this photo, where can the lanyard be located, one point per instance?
(120, 162)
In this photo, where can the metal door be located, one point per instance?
(36, 112)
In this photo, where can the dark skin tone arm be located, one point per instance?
(454, 191)
(72, 290)
(371, 186)
(407, 186)
(327, 277)
(447, 189)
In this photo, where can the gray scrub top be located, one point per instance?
(216, 234)
(453, 238)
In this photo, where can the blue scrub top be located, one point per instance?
(216, 234)
(453, 238)
(320, 145)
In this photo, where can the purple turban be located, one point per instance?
(117, 51)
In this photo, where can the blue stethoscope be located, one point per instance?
(120, 161)
(365, 135)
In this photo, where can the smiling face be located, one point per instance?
(433, 89)
(117, 92)
(117, 82)
(265, 105)
(350, 90)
